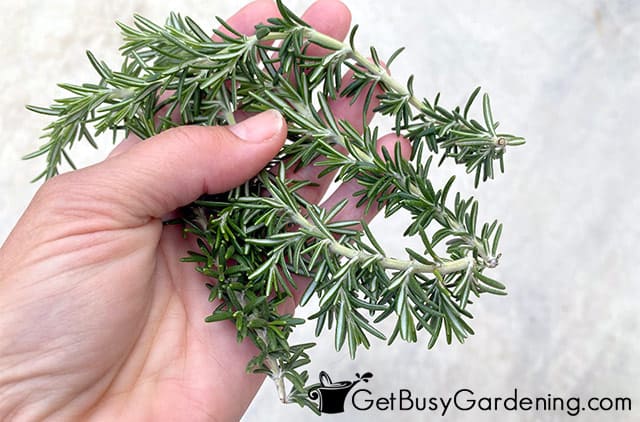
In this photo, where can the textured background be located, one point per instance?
(565, 74)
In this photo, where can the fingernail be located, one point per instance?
(258, 128)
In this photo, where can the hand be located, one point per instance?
(99, 318)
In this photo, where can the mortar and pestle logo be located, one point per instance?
(333, 394)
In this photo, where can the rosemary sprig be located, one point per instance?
(253, 244)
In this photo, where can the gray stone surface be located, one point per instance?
(565, 74)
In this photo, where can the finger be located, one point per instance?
(124, 145)
(342, 109)
(347, 190)
(329, 17)
(245, 20)
(332, 18)
(174, 169)
(346, 108)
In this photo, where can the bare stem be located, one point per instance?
(387, 263)
(277, 377)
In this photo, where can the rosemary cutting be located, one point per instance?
(253, 240)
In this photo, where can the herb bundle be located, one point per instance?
(253, 240)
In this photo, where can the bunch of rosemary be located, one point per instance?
(254, 239)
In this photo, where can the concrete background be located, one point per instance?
(564, 74)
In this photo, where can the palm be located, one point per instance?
(166, 346)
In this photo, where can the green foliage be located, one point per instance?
(256, 239)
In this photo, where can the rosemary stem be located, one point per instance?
(381, 74)
(379, 71)
(277, 377)
(387, 263)
(336, 45)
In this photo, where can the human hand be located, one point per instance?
(99, 318)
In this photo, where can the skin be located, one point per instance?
(100, 320)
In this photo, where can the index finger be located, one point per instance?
(246, 19)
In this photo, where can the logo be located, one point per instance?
(332, 395)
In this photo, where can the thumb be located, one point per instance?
(174, 168)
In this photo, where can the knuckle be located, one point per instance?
(62, 192)
(55, 187)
